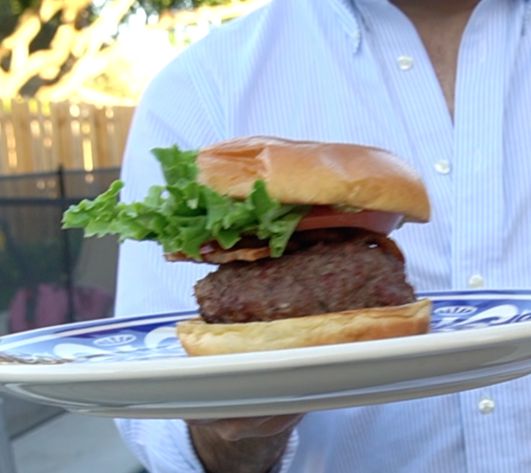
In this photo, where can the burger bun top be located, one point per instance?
(315, 173)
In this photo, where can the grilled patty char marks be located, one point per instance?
(330, 272)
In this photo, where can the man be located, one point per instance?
(445, 85)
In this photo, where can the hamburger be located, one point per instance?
(299, 231)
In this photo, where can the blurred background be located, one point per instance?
(71, 73)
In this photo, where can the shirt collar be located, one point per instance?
(352, 19)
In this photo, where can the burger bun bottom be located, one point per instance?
(200, 338)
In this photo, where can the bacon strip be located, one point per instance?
(390, 247)
(250, 249)
(220, 256)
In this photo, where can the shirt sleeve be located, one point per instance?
(286, 461)
(164, 446)
(171, 112)
(178, 108)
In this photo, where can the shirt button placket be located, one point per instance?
(476, 281)
(405, 63)
(443, 166)
(486, 405)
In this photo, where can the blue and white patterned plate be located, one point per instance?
(135, 366)
(133, 338)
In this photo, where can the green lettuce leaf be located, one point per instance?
(183, 214)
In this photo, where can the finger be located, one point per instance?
(256, 427)
(222, 422)
(278, 424)
(200, 422)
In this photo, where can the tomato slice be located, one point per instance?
(324, 216)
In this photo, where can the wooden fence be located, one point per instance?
(39, 137)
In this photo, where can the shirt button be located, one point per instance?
(486, 406)
(405, 63)
(476, 281)
(442, 166)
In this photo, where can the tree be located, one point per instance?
(158, 6)
(28, 63)
(49, 48)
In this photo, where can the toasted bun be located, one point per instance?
(199, 338)
(315, 173)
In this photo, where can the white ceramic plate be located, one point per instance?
(135, 367)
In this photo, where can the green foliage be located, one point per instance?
(16, 7)
(10, 10)
(45, 261)
(184, 214)
(157, 6)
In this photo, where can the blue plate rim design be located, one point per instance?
(93, 327)
(66, 328)
(524, 294)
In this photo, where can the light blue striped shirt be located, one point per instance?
(336, 70)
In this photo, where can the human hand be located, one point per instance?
(250, 445)
(247, 427)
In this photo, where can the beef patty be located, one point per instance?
(348, 270)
